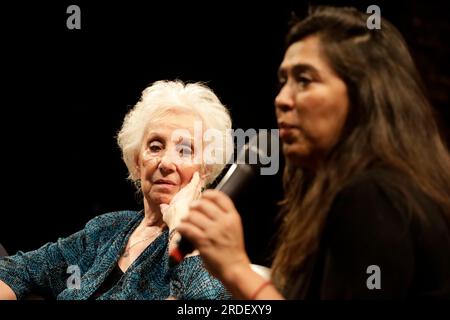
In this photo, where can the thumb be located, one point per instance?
(163, 207)
(195, 179)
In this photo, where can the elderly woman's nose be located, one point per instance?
(168, 161)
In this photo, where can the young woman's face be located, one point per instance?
(312, 104)
(166, 158)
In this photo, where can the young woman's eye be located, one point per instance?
(303, 81)
(281, 82)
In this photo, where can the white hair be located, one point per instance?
(158, 102)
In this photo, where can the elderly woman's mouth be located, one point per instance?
(165, 184)
(165, 181)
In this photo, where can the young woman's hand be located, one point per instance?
(214, 227)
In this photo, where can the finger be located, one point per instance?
(203, 178)
(198, 189)
(199, 219)
(193, 187)
(163, 207)
(195, 178)
(220, 199)
(189, 190)
(208, 208)
(191, 232)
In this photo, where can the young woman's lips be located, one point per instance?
(287, 131)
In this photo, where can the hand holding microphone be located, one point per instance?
(235, 180)
(215, 228)
(237, 177)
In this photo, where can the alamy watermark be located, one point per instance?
(74, 19)
(374, 20)
(213, 147)
(74, 280)
(374, 280)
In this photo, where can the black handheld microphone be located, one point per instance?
(238, 176)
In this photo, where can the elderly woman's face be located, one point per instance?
(312, 105)
(165, 163)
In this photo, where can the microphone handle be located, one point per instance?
(183, 248)
(236, 180)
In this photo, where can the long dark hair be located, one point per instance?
(390, 123)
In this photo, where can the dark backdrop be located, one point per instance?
(65, 93)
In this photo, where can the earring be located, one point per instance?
(137, 182)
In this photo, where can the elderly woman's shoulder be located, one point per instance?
(113, 220)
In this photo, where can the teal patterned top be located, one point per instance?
(95, 250)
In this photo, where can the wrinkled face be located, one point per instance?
(166, 158)
(312, 105)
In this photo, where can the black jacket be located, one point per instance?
(371, 232)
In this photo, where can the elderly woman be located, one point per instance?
(367, 176)
(124, 255)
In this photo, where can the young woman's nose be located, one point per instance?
(284, 101)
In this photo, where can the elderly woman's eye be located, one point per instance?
(185, 151)
(155, 146)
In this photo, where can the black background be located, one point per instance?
(65, 93)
